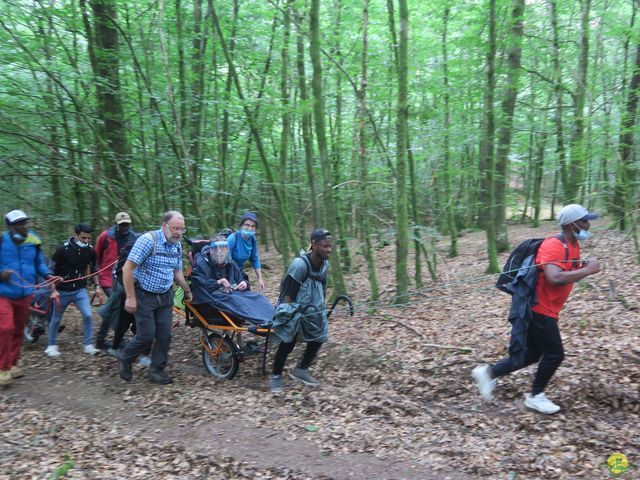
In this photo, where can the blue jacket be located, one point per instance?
(523, 298)
(27, 262)
(242, 249)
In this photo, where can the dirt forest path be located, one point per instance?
(397, 401)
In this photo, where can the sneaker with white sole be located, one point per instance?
(52, 351)
(91, 350)
(276, 384)
(5, 378)
(485, 383)
(16, 372)
(144, 361)
(302, 375)
(540, 403)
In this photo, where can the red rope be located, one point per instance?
(51, 280)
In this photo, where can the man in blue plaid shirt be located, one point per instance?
(153, 265)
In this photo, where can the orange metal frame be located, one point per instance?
(232, 327)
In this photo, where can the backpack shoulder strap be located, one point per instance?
(560, 237)
(154, 236)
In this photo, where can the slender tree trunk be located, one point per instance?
(285, 133)
(336, 159)
(557, 88)
(199, 47)
(306, 120)
(366, 247)
(450, 208)
(625, 180)
(321, 139)
(402, 233)
(577, 172)
(508, 107)
(487, 146)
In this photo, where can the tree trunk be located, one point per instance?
(625, 180)
(508, 107)
(577, 172)
(401, 220)
(487, 164)
(321, 139)
(450, 207)
(306, 120)
(363, 218)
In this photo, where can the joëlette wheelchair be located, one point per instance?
(221, 334)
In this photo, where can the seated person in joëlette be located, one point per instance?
(218, 284)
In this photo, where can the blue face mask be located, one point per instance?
(581, 235)
(248, 233)
(19, 237)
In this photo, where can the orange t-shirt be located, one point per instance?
(551, 298)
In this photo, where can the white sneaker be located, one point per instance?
(484, 381)
(540, 403)
(52, 351)
(90, 349)
(144, 361)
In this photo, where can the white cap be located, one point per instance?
(15, 216)
(574, 212)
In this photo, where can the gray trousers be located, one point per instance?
(153, 315)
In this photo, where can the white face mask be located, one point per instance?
(81, 244)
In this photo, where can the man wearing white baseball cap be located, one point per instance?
(21, 261)
(559, 266)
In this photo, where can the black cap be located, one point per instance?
(320, 234)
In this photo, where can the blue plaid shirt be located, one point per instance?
(155, 270)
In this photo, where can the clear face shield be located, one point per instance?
(219, 252)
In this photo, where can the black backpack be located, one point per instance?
(518, 255)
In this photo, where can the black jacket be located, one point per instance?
(71, 262)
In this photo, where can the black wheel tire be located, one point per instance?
(225, 361)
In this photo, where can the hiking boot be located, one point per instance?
(16, 372)
(302, 375)
(5, 378)
(90, 349)
(276, 384)
(124, 370)
(159, 376)
(485, 383)
(52, 351)
(540, 403)
(144, 361)
(113, 352)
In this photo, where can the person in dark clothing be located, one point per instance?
(302, 312)
(559, 267)
(108, 247)
(115, 315)
(73, 260)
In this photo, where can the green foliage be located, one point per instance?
(64, 468)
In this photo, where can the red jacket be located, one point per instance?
(107, 254)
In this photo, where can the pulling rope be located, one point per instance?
(56, 279)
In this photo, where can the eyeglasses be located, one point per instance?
(177, 229)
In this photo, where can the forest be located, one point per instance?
(397, 122)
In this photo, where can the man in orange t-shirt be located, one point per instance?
(559, 267)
